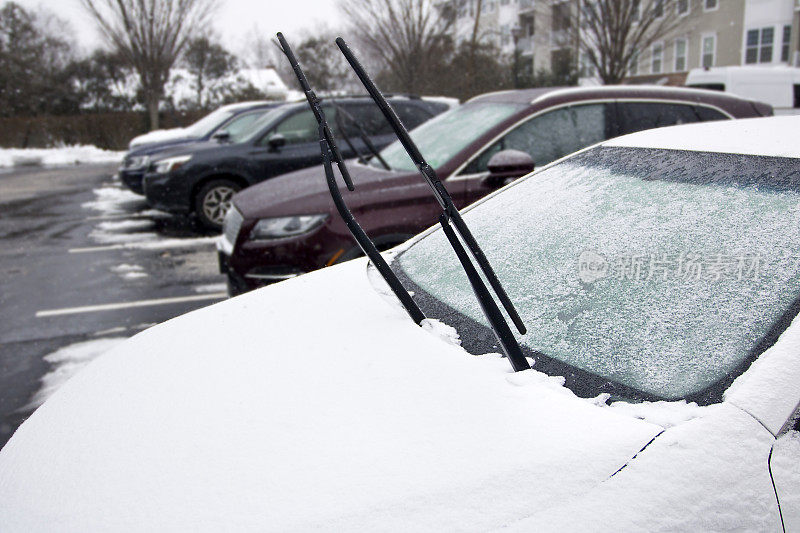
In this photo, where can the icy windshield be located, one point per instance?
(443, 137)
(209, 123)
(655, 271)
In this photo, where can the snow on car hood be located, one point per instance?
(313, 403)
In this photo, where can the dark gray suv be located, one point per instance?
(203, 177)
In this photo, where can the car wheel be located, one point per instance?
(213, 201)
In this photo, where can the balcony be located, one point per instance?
(529, 5)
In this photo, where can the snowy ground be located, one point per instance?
(66, 155)
(84, 260)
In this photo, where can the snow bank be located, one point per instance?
(114, 201)
(67, 155)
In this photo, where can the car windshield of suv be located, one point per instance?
(443, 137)
(257, 126)
(209, 123)
(654, 274)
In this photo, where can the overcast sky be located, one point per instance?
(234, 20)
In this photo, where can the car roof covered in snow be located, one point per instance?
(770, 136)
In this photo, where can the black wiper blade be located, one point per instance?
(316, 108)
(451, 214)
(328, 149)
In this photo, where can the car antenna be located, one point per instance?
(450, 215)
(329, 151)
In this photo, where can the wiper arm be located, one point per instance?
(319, 114)
(329, 151)
(451, 214)
(361, 135)
(338, 118)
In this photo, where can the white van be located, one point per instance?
(777, 86)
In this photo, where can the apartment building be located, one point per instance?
(707, 33)
(511, 25)
(718, 33)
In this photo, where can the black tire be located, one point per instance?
(213, 200)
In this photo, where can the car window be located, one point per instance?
(706, 114)
(654, 274)
(442, 137)
(411, 115)
(300, 127)
(637, 116)
(551, 135)
(209, 123)
(241, 123)
(368, 116)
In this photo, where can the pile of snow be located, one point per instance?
(65, 155)
(114, 201)
(66, 362)
(127, 271)
(158, 136)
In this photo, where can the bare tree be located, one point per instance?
(614, 33)
(405, 36)
(207, 61)
(151, 36)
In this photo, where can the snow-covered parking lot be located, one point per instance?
(84, 265)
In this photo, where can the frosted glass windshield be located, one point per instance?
(442, 137)
(660, 271)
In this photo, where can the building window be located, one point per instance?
(680, 55)
(637, 10)
(759, 46)
(787, 39)
(708, 51)
(633, 66)
(561, 15)
(504, 2)
(587, 68)
(683, 7)
(658, 52)
(658, 8)
(710, 5)
(505, 35)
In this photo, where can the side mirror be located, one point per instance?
(222, 136)
(508, 165)
(276, 141)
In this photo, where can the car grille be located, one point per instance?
(232, 225)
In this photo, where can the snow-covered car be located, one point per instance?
(657, 274)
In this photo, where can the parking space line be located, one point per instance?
(126, 305)
(158, 244)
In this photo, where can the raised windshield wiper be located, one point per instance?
(331, 153)
(450, 214)
(342, 112)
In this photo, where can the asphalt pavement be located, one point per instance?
(82, 259)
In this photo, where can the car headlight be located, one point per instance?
(165, 166)
(137, 162)
(279, 227)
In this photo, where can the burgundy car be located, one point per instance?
(288, 225)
